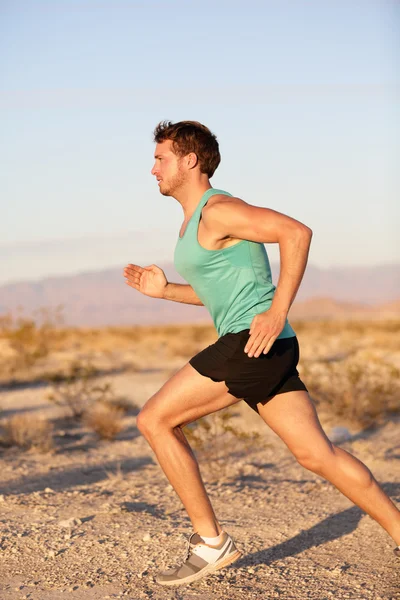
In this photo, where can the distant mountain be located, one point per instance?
(102, 298)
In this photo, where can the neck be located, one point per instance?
(189, 196)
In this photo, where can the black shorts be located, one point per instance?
(252, 379)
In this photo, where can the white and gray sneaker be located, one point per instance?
(201, 559)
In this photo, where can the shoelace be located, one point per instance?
(190, 546)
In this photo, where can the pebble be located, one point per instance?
(73, 521)
(339, 434)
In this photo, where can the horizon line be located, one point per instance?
(170, 263)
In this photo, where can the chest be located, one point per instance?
(206, 237)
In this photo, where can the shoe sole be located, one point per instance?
(206, 571)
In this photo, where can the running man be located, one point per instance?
(220, 253)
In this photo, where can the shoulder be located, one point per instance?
(221, 203)
(221, 210)
(221, 207)
(220, 199)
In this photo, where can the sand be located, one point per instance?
(97, 519)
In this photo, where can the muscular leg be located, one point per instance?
(184, 398)
(293, 417)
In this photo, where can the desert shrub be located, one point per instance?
(104, 419)
(27, 431)
(79, 391)
(216, 437)
(364, 389)
(31, 337)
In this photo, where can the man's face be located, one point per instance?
(168, 169)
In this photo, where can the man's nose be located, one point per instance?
(154, 170)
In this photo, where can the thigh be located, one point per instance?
(293, 417)
(186, 397)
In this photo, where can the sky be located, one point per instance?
(302, 95)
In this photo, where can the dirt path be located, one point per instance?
(300, 537)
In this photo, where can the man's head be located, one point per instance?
(183, 150)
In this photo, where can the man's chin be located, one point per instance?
(165, 192)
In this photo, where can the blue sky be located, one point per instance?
(303, 96)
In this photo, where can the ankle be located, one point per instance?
(212, 541)
(209, 531)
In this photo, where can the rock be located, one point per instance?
(339, 434)
(72, 522)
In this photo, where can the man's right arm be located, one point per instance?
(152, 282)
(179, 292)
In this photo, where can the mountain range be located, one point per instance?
(98, 298)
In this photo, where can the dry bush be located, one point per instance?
(30, 338)
(216, 437)
(80, 393)
(104, 419)
(30, 350)
(363, 388)
(77, 391)
(27, 432)
(122, 404)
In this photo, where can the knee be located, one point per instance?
(150, 424)
(314, 460)
(145, 423)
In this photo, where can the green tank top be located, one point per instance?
(234, 283)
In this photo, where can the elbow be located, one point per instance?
(299, 232)
(306, 232)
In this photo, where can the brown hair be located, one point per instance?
(191, 136)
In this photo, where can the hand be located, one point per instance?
(264, 330)
(150, 281)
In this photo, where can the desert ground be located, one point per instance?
(86, 512)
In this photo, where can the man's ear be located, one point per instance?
(192, 160)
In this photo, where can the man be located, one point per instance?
(220, 253)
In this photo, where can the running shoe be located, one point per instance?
(200, 560)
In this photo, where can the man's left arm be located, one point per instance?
(238, 219)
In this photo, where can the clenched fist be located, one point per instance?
(150, 281)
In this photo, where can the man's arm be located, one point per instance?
(236, 218)
(151, 281)
(179, 292)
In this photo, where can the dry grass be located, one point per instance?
(78, 392)
(105, 420)
(30, 338)
(95, 405)
(363, 388)
(32, 350)
(27, 432)
(350, 367)
(217, 436)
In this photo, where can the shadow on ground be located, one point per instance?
(70, 478)
(151, 509)
(331, 528)
(44, 380)
(393, 453)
